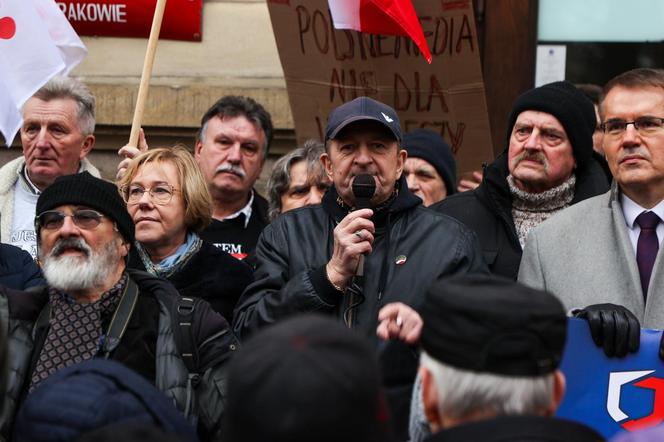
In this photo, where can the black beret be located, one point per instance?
(570, 106)
(429, 146)
(494, 325)
(85, 190)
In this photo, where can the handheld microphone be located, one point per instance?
(364, 187)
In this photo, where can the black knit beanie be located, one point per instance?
(570, 106)
(429, 146)
(85, 190)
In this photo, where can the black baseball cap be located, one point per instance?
(491, 324)
(362, 108)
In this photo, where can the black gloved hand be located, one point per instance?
(613, 328)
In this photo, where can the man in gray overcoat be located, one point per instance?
(600, 257)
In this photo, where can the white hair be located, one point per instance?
(462, 393)
(92, 270)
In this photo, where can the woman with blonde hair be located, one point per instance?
(170, 204)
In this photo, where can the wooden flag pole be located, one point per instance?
(147, 72)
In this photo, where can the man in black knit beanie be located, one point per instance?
(548, 164)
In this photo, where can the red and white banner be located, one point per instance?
(36, 43)
(386, 17)
(133, 18)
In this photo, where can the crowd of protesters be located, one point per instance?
(370, 297)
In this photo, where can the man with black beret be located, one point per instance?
(430, 169)
(491, 349)
(93, 307)
(548, 165)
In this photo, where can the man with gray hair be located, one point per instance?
(56, 135)
(297, 179)
(489, 364)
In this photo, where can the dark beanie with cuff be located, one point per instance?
(491, 324)
(82, 189)
(429, 146)
(570, 106)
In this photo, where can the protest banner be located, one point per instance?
(325, 67)
(133, 18)
(612, 395)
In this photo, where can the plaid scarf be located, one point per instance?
(74, 330)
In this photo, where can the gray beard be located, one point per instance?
(75, 273)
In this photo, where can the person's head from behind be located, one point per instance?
(549, 136)
(232, 145)
(82, 223)
(594, 93)
(167, 198)
(430, 168)
(307, 378)
(491, 347)
(297, 179)
(97, 394)
(58, 129)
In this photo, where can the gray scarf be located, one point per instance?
(531, 209)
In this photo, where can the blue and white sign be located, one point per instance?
(612, 395)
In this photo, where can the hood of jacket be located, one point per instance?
(94, 394)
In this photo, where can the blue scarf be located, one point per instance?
(171, 264)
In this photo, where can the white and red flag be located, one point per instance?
(36, 44)
(386, 17)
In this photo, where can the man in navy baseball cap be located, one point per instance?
(362, 109)
(309, 258)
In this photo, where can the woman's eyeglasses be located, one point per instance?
(159, 193)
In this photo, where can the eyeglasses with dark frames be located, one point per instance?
(644, 125)
(87, 219)
(159, 193)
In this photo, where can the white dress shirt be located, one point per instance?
(631, 210)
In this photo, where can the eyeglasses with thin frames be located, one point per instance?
(86, 219)
(644, 125)
(159, 193)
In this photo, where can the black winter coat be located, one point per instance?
(210, 274)
(518, 429)
(487, 211)
(139, 349)
(290, 276)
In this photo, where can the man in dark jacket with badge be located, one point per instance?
(548, 165)
(491, 349)
(93, 307)
(344, 260)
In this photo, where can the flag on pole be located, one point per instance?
(36, 44)
(386, 17)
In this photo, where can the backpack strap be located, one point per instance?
(120, 319)
(183, 334)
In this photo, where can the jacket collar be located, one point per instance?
(403, 201)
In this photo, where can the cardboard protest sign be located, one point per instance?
(325, 67)
(612, 395)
